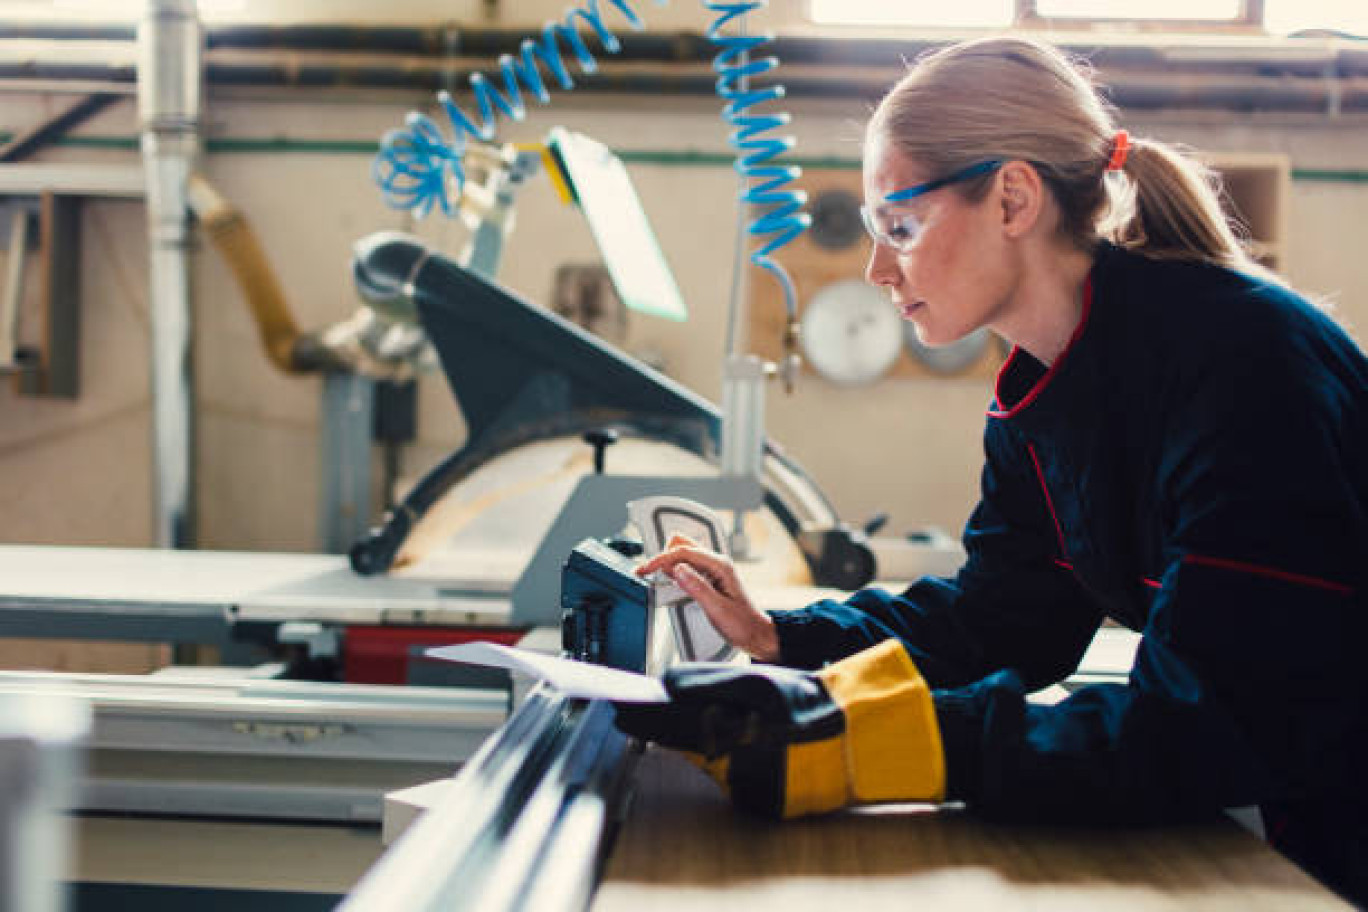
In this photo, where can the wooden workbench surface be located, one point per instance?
(683, 848)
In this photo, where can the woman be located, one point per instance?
(1177, 442)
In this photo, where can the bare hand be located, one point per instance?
(711, 580)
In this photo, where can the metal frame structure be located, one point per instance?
(236, 747)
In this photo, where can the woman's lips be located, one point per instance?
(908, 308)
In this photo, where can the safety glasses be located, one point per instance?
(898, 229)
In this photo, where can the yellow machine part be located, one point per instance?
(232, 234)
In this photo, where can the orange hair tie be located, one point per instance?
(1121, 147)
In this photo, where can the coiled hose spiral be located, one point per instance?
(419, 167)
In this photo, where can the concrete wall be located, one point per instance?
(80, 472)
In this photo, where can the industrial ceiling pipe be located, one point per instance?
(170, 43)
(426, 57)
(1314, 75)
(1175, 87)
(1306, 55)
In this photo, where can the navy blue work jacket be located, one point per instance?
(1195, 467)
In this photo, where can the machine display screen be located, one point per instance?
(600, 184)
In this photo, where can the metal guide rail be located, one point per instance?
(526, 825)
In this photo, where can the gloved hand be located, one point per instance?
(786, 743)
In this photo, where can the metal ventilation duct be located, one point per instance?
(170, 43)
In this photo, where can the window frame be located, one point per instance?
(1026, 15)
(1249, 19)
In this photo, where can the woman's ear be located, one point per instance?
(1022, 197)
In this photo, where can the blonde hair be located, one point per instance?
(1019, 99)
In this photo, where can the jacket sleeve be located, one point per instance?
(1010, 606)
(1245, 688)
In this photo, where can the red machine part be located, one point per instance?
(381, 655)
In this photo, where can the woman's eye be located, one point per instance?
(900, 231)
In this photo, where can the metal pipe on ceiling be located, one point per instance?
(1307, 55)
(1215, 72)
(1129, 89)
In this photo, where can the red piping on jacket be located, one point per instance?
(1153, 584)
(1275, 825)
(1273, 573)
(1049, 502)
(1034, 392)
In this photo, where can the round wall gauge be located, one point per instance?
(851, 333)
(836, 222)
(954, 358)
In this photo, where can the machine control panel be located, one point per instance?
(659, 519)
(612, 616)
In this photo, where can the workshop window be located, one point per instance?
(1151, 15)
(1278, 17)
(960, 14)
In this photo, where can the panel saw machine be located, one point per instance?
(562, 427)
(528, 381)
(563, 430)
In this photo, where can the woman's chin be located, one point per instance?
(938, 336)
(930, 336)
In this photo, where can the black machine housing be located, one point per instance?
(521, 373)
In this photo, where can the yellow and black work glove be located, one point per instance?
(785, 743)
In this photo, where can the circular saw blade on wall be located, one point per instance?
(835, 250)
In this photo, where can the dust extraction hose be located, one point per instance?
(288, 349)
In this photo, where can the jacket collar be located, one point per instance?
(1026, 391)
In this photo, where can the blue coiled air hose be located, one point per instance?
(766, 183)
(419, 167)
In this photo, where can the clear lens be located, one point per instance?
(890, 227)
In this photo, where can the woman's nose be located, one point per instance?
(882, 268)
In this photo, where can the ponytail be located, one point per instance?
(1166, 205)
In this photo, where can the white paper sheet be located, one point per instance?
(574, 678)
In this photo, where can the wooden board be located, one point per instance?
(82, 655)
(682, 847)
